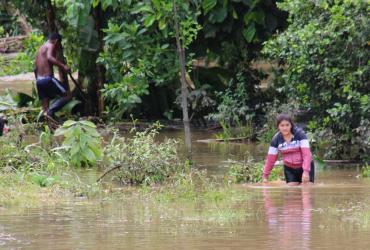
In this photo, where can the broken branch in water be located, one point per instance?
(107, 172)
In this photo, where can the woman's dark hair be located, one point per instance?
(284, 117)
(55, 36)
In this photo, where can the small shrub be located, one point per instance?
(11, 157)
(250, 171)
(142, 160)
(82, 142)
(43, 180)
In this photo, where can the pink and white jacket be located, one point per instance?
(296, 153)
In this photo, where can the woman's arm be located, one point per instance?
(306, 152)
(271, 158)
(270, 161)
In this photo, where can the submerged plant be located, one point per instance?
(239, 131)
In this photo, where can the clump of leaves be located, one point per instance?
(82, 142)
(236, 110)
(141, 159)
(250, 171)
(11, 157)
(43, 180)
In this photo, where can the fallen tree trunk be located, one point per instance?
(11, 44)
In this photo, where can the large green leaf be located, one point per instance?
(249, 32)
(88, 123)
(218, 15)
(69, 123)
(149, 20)
(208, 5)
(89, 155)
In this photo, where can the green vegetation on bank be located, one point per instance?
(50, 166)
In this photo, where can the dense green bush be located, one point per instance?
(324, 63)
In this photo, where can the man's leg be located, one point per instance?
(45, 104)
(61, 102)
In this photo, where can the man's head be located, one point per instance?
(55, 37)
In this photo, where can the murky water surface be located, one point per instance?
(332, 214)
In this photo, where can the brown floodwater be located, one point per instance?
(18, 83)
(332, 214)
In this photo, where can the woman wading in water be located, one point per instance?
(294, 147)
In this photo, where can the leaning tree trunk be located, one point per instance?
(52, 27)
(93, 72)
(184, 87)
(100, 69)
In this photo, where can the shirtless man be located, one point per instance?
(48, 87)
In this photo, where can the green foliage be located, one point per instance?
(325, 56)
(139, 50)
(234, 106)
(33, 158)
(9, 25)
(82, 143)
(11, 157)
(141, 159)
(123, 96)
(42, 180)
(253, 21)
(236, 110)
(250, 171)
(7, 101)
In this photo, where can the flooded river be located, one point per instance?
(332, 214)
(327, 215)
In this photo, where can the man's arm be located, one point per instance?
(51, 58)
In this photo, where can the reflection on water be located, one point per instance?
(275, 218)
(289, 223)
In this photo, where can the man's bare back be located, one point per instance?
(43, 66)
(45, 59)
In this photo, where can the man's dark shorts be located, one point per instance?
(50, 87)
(295, 174)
